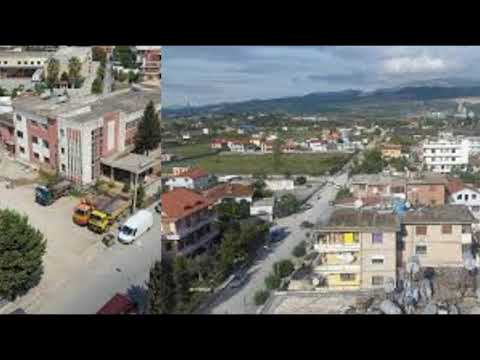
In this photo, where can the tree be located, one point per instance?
(372, 163)
(161, 289)
(98, 54)
(140, 196)
(21, 251)
(277, 154)
(273, 281)
(230, 210)
(260, 297)
(148, 136)
(228, 252)
(183, 283)
(125, 56)
(97, 86)
(53, 71)
(343, 193)
(132, 77)
(65, 77)
(3, 92)
(74, 68)
(287, 205)
(101, 72)
(300, 250)
(122, 76)
(283, 268)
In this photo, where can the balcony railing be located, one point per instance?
(336, 268)
(337, 247)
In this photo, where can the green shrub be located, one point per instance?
(283, 268)
(126, 187)
(111, 184)
(261, 296)
(273, 281)
(299, 250)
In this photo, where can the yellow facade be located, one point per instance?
(337, 280)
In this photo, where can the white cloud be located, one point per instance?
(420, 64)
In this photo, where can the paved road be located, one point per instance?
(114, 270)
(240, 301)
(108, 80)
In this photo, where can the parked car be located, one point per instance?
(135, 226)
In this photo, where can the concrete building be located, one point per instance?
(187, 223)
(427, 191)
(374, 185)
(441, 155)
(65, 53)
(7, 130)
(462, 194)
(194, 179)
(279, 184)
(438, 236)
(22, 64)
(263, 208)
(357, 249)
(73, 135)
(149, 59)
(391, 151)
(317, 145)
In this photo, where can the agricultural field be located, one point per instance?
(308, 164)
(189, 150)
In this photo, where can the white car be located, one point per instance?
(135, 226)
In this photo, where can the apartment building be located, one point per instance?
(463, 194)
(437, 236)
(391, 151)
(149, 58)
(193, 178)
(187, 223)
(374, 185)
(427, 190)
(441, 155)
(357, 249)
(74, 135)
(22, 64)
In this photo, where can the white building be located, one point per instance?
(205, 131)
(279, 184)
(468, 196)
(441, 155)
(473, 143)
(317, 146)
(194, 179)
(263, 208)
(236, 146)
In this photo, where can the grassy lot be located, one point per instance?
(189, 150)
(311, 164)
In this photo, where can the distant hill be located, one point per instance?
(343, 100)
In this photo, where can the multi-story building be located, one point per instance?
(149, 58)
(357, 249)
(22, 64)
(74, 135)
(437, 236)
(427, 191)
(441, 155)
(368, 185)
(194, 179)
(187, 223)
(392, 151)
(462, 194)
(7, 130)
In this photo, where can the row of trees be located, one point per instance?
(72, 77)
(372, 163)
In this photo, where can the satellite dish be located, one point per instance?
(315, 281)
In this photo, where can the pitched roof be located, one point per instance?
(181, 202)
(227, 190)
(447, 214)
(194, 173)
(119, 304)
(365, 220)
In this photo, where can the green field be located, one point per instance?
(311, 164)
(189, 150)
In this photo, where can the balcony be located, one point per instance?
(339, 263)
(337, 242)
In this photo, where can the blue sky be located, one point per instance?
(213, 74)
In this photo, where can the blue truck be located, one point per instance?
(46, 195)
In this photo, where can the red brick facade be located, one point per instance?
(426, 194)
(48, 133)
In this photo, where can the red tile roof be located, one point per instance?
(227, 190)
(181, 202)
(195, 173)
(119, 304)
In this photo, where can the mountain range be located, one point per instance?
(318, 102)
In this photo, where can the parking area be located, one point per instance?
(69, 246)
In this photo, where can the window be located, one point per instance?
(36, 155)
(34, 123)
(34, 139)
(433, 151)
(474, 196)
(377, 280)
(25, 62)
(421, 230)
(433, 202)
(22, 149)
(168, 246)
(377, 238)
(46, 160)
(453, 159)
(475, 208)
(64, 168)
(466, 229)
(446, 229)
(466, 197)
(19, 117)
(459, 197)
(38, 62)
(421, 250)
(62, 133)
(20, 134)
(454, 151)
(5, 62)
(19, 63)
(362, 186)
(347, 277)
(63, 150)
(45, 143)
(377, 260)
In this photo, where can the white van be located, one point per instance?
(135, 226)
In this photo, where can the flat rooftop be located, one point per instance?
(363, 220)
(133, 163)
(92, 107)
(447, 214)
(264, 202)
(24, 54)
(376, 179)
(64, 53)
